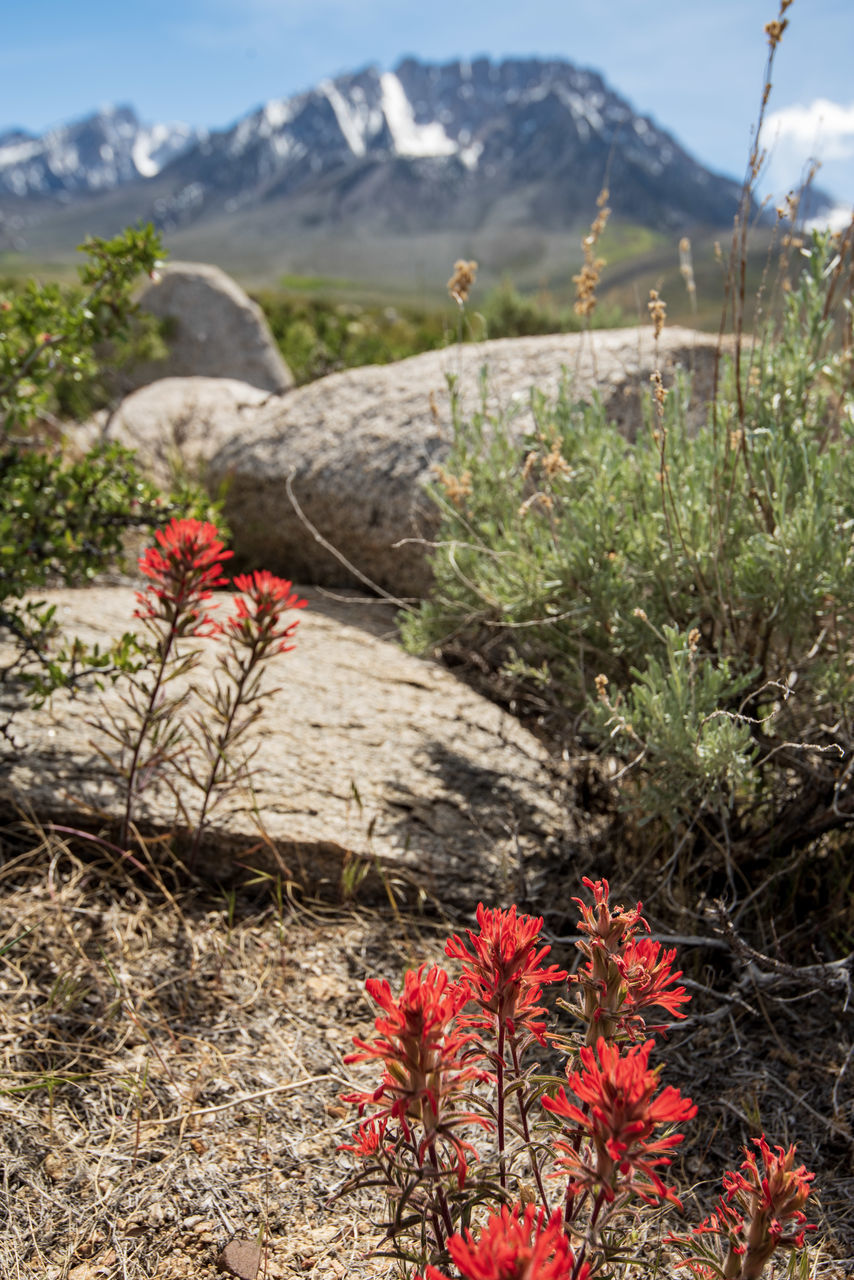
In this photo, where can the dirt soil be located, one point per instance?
(171, 1064)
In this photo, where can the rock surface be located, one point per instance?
(360, 445)
(368, 758)
(215, 330)
(177, 424)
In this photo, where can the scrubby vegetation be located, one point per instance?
(684, 601)
(318, 335)
(65, 511)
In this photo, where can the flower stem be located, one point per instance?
(221, 746)
(147, 718)
(499, 1079)
(523, 1116)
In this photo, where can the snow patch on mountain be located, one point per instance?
(410, 138)
(352, 123)
(155, 146)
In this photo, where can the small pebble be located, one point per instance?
(240, 1258)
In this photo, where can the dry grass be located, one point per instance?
(171, 1065)
(170, 1073)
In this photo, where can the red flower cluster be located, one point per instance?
(421, 1045)
(256, 624)
(646, 971)
(777, 1194)
(623, 975)
(504, 971)
(761, 1211)
(184, 568)
(608, 925)
(515, 1244)
(618, 1116)
(369, 1139)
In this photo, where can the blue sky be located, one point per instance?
(694, 65)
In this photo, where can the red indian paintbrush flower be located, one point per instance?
(604, 923)
(623, 974)
(184, 568)
(647, 974)
(256, 624)
(368, 1141)
(515, 1244)
(504, 970)
(761, 1211)
(421, 1044)
(618, 1122)
(772, 1202)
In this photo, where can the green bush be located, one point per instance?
(65, 513)
(686, 600)
(318, 336)
(506, 313)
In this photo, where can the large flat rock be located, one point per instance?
(368, 757)
(357, 448)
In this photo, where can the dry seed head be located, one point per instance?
(588, 277)
(693, 640)
(657, 312)
(599, 223)
(554, 463)
(537, 501)
(434, 408)
(456, 487)
(460, 283)
(585, 287)
(658, 388)
(601, 683)
(735, 439)
(686, 269)
(774, 30)
(530, 463)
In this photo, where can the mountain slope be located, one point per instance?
(520, 142)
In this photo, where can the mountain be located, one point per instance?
(102, 151)
(407, 147)
(464, 150)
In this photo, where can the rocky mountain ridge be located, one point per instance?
(464, 144)
(97, 153)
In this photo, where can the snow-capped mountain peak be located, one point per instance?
(96, 153)
(525, 141)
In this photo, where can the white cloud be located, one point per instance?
(797, 135)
